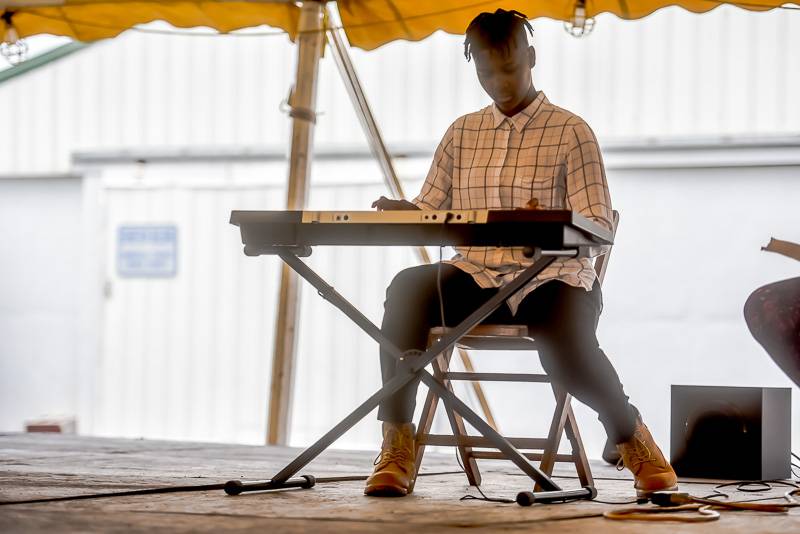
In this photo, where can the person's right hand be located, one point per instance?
(384, 204)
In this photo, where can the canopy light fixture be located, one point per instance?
(579, 25)
(15, 52)
(14, 49)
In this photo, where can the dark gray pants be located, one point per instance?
(562, 318)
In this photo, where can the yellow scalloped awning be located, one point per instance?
(368, 23)
(90, 20)
(372, 23)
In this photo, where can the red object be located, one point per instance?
(56, 425)
(43, 428)
(772, 313)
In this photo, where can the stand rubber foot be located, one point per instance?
(235, 487)
(527, 498)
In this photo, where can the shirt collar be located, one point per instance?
(521, 119)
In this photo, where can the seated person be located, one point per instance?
(520, 148)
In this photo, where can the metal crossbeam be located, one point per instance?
(409, 369)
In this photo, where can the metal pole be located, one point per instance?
(302, 103)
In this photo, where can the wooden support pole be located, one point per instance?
(302, 103)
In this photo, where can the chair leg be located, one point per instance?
(423, 429)
(457, 424)
(578, 451)
(560, 416)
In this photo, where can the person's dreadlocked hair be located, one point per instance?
(496, 30)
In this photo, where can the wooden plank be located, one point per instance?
(480, 441)
(534, 456)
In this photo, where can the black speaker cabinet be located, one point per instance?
(731, 433)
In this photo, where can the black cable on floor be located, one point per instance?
(756, 486)
(149, 491)
(186, 489)
(483, 496)
(634, 501)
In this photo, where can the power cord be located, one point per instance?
(439, 286)
(754, 486)
(669, 502)
(447, 219)
(633, 501)
(483, 496)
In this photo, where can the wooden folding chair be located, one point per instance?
(544, 450)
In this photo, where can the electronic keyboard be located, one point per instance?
(263, 231)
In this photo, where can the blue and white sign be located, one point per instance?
(147, 251)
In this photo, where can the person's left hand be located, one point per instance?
(532, 204)
(384, 204)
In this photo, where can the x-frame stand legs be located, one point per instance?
(408, 369)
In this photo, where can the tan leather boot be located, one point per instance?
(651, 471)
(394, 467)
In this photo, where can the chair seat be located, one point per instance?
(493, 337)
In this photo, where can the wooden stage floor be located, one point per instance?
(47, 465)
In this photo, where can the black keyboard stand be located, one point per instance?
(411, 367)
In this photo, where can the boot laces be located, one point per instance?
(398, 456)
(395, 451)
(636, 452)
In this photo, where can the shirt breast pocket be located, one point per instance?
(541, 182)
(536, 178)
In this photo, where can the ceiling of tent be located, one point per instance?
(367, 23)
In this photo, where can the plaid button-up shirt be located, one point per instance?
(487, 160)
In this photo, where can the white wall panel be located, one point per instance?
(40, 265)
(186, 357)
